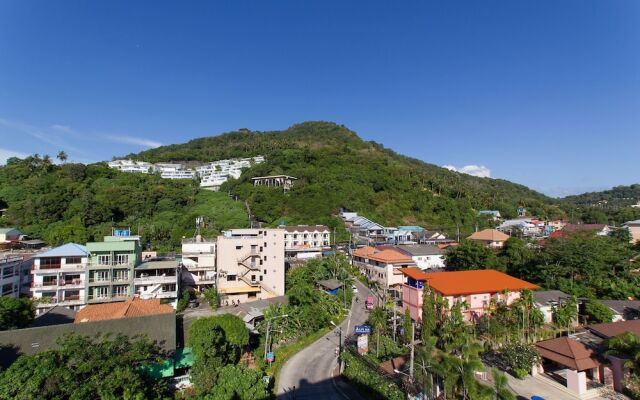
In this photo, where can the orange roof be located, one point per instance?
(134, 307)
(386, 255)
(492, 235)
(460, 283)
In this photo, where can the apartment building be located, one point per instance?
(11, 276)
(382, 264)
(157, 278)
(250, 264)
(59, 276)
(111, 267)
(306, 241)
(199, 262)
(426, 256)
(475, 289)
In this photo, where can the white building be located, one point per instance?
(306, 241)
(11, 275)
(425, 256)
(157, 278)
(140, 167)
(199, 262)
(59, 277)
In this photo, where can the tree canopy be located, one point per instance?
(16, 313)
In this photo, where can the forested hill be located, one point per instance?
(619, 196)
(336, 169)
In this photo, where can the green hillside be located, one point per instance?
(336, 169)
(610, 206)
(75, 202)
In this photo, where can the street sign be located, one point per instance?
(363, 344)
(270, 357)
(363, 329)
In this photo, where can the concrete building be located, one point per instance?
(9, 234)
(11, 276)
(157, 278)
(250, 264)
(491, 238)
(425, 256)
(283, 181)
(382, 264)
(634, 230)
(111, 267)
(60, 277)
(547, 300)
(305, 241)
(476, 288)
(199, 263)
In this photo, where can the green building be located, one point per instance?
(111, 267)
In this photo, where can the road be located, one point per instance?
(310, 373)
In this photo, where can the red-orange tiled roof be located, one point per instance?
(489, 235)
(414, 273)
(386, 255)
(460, 283)
(134, 307)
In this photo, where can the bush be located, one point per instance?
(598, 312)
(212, 297)
(368, 380)
(183, 301)
(520, 358)
(520, 373)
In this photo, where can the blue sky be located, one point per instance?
(544, 93)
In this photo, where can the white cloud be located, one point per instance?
(134, 140)
(473, 170)
(62, 128)
(6, 154)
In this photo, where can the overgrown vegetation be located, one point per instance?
(79, 203)
(85, 368)
(16, 313)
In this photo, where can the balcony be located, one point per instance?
(155, 279)
(92, 298)
(99, 281)
(60, 267)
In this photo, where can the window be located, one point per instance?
(8, 272)
(122, 259)
(121, 275)
(101, 276)
(49, 262)
(121, 291)
(7, 289)
(231, 278)
(49, 280)
(238, 247)
(265, 271)
(73, 260)
(260, 278)
(104, 259)
(101, 292)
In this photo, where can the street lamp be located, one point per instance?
(266, 342)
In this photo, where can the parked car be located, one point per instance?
(354, 288)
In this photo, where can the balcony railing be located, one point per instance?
(59, 283)
(65, 267)
(157, 279)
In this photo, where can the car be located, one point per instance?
(354, 288)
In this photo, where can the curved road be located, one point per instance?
(310, 373)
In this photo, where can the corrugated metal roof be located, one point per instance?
(66, 250)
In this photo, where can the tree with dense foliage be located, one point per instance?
(625, 345)
(471, 255)
(236, 382)
(517, 257)
(597, 312)
(16, 313)
(520, 358)
(84, 368)
(566, 314)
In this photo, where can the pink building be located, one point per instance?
(477, 288)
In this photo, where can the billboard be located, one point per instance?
(363, 344)
(362, 329)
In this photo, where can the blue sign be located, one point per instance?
(270, 356)
(363, 329)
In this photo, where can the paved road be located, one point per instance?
(311, 371)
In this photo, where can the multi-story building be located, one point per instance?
(11, 275)
(157, 278)
(426, 256)
(474, 289)
(382, 264)
(283, 181)
(111, 267)
(634, 230)
(199, 263)
(59, 277)
(140, 167)
(306, 241)
(250, 264)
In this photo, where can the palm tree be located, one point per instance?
(500, 386)
(626, 345)
(378, 318)
(62, 156)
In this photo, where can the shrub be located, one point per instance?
(520, 358)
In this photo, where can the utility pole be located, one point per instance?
(458, 231)
(394, 322)
(266, 342)
(413, 335)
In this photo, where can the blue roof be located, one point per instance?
(69, 249)
(414, 228)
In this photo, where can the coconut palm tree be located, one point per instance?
(500, 386)
(378, 318)
(62, 156)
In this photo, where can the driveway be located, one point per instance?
(312, 373)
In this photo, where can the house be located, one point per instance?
(528, 226)
(575, 364)
(634, 230)
(432, 237)
(111, 267)
(623, 310)
(490, 238)
(12, 274)
(547, 300)
(132, 307)
(250, 264)
(199, 263)
(283, 181)
(571, 229)
(494, 215)
(330, 286)
(425, 256)
(59, 277)
(305, 241)
(476, 287)
(157, 278)
(364, 229)
(382, 264)
(9, 235)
